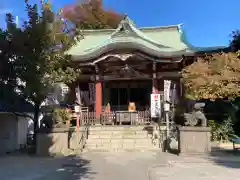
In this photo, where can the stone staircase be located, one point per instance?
(120, 138)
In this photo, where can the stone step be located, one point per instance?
(119, 136)
(110, 132)
(115, 128)
(117, 146)
(121, 143)
(122, 150)
(134, 140)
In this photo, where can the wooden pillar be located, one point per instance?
(181, 87)
(154, 80)
(98, 95)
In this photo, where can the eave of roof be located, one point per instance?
(132, 46)
(144, 43)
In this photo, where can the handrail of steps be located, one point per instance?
(85, 129)
(84, 136)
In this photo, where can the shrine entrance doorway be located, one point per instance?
(120, 92)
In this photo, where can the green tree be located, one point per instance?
(33, 57)
(235, 42)
(91, 15)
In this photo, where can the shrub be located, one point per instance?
(221, 131)
(61, 115)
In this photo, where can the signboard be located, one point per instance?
(92, 93)
(167, 85)
(155, 105)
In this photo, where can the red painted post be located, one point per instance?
(98, 96)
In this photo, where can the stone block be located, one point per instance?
(57, 141)
(194, 140)
(51, 142)
(74, 139)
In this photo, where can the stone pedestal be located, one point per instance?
(58, 141)
(52, 142)
(194, 140)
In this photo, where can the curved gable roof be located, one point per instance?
(163, 41)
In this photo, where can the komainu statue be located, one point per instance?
(196, 116)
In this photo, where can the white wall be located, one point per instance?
(8, 133)
(13, 132)
(24, 127)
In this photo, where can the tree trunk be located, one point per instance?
(36, 125)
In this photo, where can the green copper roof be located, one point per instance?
(160, 42)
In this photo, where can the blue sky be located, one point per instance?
(206, 22)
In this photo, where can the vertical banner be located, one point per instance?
(92, 93)
(85, 98)
(78, 95)
(155, 106)
(167, 85)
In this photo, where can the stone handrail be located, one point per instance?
(84, 136)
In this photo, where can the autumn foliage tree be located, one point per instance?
(213, 76)
(90, 14)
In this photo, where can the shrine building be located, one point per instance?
(128, 64)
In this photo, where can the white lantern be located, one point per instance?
(166, 107)
(77, 109)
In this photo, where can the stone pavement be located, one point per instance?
(118, 166)
(197, 168)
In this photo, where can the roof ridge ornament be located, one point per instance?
(125, 16)
(180, 28)
(128, 27)
(127, 20)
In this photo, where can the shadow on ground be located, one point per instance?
(72, 168)
(226, 157)
(44, 168)
(50, 159)
(55, 143)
